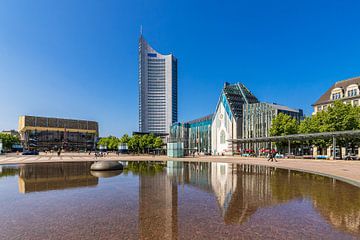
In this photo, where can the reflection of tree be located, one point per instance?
(149, 168)
(336, 201)
(240, 191)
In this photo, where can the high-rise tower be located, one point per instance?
(157, 89)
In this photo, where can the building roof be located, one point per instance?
(56, 124)
(237, 95)
(283, 108)
(202, 119)
(325, 98)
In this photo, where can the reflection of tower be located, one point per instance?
(158, 207)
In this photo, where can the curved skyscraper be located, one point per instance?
(157, 90)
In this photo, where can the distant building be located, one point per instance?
(43, 133)
(157, 90)
(194, 135)
(347, 91)
(257, 121)
(228, 118)
(238, 115)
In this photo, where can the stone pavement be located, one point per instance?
(348, 171)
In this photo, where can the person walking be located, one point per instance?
(272, 156)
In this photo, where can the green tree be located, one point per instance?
(158, 142)
(342, 117)
(134, 144)
(283, 125)
(315, 124)
(125, 138)
(110, 142)
(8, 140)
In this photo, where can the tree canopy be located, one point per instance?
(8, 140)
(283, 125)
(136, 143)
(339, 117)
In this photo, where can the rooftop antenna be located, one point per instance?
(141, 30)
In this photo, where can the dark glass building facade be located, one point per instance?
(44, 134)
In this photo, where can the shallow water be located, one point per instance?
(174, 200)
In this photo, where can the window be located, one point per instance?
(352, 92)
(356, 102)
(319, 108)
(222, 137)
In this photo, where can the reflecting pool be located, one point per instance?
(174, 200)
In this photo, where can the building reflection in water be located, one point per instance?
(55, 176)
(158, 198)
(240, 191)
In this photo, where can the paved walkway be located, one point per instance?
(348, 171)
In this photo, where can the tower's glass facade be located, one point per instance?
(157, 89)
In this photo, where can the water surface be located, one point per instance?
(174, 200)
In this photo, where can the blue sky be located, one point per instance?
(78, 59)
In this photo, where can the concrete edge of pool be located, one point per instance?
(345, 171)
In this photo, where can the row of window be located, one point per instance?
(324, 107)
(349, 93)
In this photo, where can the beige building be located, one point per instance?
(346, 90)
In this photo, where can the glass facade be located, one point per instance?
(46, 134)
(194, 135)
(157, 89)
(239, 114)
(257, 120)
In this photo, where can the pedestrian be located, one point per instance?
(59, 152)
(272, 156)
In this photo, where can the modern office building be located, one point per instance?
(189, 137)
(238, 115)
(347, 91)
(257, 120)
(157, 90)
(43, 133)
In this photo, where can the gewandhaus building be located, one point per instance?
(239, 115)
(45, 134)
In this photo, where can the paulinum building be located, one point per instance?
(239, 114)
(43, 133)
(157, 90)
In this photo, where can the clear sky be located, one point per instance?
(78, 59)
